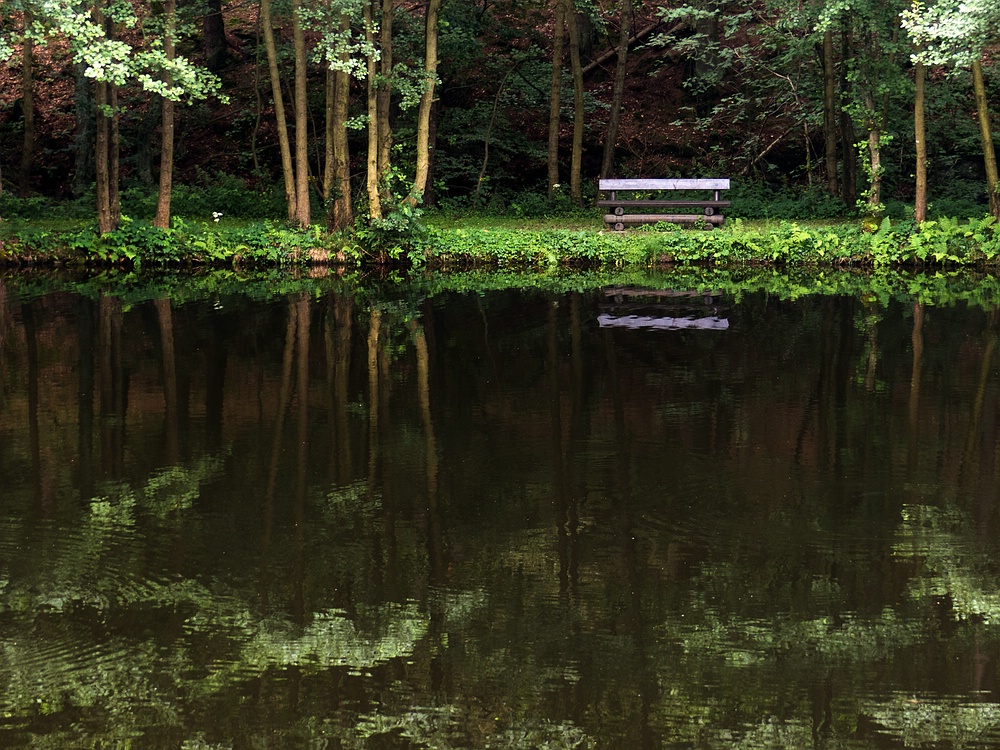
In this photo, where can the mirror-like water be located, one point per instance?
(617, 518)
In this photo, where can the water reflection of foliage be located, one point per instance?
(953, 577)
(61, 652)
(953, 570)
(402, 293)
(936, 720)
(214, 639)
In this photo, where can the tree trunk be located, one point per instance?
(106, 145)
(576, 163)
(617, 92)
(329, 94)
(430, 196)
(113, 153)
(341, 210)
(920, 203)
(830, 113)
(279, 108)
(302, 202)
(558, 36)
(162, 219)
(489, 134)
(989, 154)
(874, 159)
(28, 108)
(849, 181)
(83, 138)
(214, 29)
(101, 152)
(384, 97)
(426, 101)
(374, 199)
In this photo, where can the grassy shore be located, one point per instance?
(444, 241)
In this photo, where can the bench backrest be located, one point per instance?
(664, 184)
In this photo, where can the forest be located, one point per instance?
(341, 114)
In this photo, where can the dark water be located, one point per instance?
(508, 520)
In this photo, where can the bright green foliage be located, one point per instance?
(112, 60)
(402, 238)
(952, 32)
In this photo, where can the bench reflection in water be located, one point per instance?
(662, 309)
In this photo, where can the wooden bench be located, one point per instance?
(619, 216)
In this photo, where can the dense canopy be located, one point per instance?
(358, 110)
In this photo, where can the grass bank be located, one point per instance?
(941, 243)
(450, 242)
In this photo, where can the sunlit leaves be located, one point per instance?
(951, 32)
(114, 60)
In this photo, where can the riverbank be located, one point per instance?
(408, 290)
(449, 242)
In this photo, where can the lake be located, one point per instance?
(582, 511)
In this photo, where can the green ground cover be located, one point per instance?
(221, 231)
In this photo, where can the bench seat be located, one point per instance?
(620, 217)
(615, 219)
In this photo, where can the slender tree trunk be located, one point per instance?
(341, 210)
(489, 135)
(106, 144)
(874, 159)
(830, 113)
(374, 198)
(576, 163)
(28, 108)
(284, 143)
(114, 140)
(849, 181)
(214, 29)
(83, 139)
(426, 101)
(114, 151)
(920, 203)
(301, 119)
(384, 96)
(989, 154)
(101, 150)
(617, 92)
(162, 219)
(329, 94)
(430, 196)
(558, 37)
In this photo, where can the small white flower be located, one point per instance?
(216, 215)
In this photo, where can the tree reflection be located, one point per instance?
(547, 535)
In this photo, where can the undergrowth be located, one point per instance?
(946, 242)
(409, 241)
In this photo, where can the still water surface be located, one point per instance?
(602, 519)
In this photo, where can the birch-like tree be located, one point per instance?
(110, 62)
(955, 33)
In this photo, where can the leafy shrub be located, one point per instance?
(224, 194)
(756, 200)
(397, 237)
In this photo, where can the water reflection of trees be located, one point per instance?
(589, 541)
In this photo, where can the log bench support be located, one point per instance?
(709, 211)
